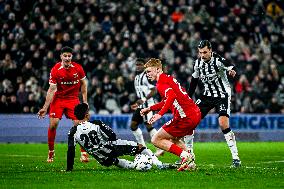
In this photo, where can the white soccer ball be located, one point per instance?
(143, 162)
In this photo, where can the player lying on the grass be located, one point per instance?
(186, 114)
(101, 142)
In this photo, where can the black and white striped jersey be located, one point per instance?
(143, 87)
(213, 75)
(96, 138)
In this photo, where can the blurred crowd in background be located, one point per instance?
(108, 36)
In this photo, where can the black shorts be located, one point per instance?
(119, 148)
(222, 105)
(141, 119)
(125, 147)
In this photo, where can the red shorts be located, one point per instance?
(58, 107)
(182, 126)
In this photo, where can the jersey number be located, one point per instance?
(198, 101)
(91, 137)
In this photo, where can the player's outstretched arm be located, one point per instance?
(49, 96)
(154, 118)
(71, 149)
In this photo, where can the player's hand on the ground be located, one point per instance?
(155, 118)
(41, 113)
(232, 73)
(144, 111)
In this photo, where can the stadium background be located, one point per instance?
(107, 37)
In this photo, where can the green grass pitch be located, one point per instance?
(24, 166)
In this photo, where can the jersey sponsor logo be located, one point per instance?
(75, 75)
(209, 78)
(69, 82)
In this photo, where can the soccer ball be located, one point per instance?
(143, 162)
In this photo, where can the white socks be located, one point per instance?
(231, 141)
(188, 140)
(123, 163)
(139, 136)
(153, 132)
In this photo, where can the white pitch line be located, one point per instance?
(281, 161)
(247, 167)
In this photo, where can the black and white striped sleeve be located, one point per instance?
(224, 63)
(195, 73)
(106, 130)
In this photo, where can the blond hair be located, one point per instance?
(153, 62)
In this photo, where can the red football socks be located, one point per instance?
(82, 150)
(175, 149)
(51, 138)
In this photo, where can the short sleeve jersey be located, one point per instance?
(183, 105)
(67, 80)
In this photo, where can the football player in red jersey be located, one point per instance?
(65, 81)
(186, 114)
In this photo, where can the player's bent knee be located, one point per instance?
(53, 127)
(224, 122)
(154, 140)
(53, 123)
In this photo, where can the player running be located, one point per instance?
(145, 90)
(66, 80)
(211, 69)
(101, 142)
(186, 114)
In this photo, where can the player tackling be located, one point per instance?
(101, 142)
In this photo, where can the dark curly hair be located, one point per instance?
(81, 110)
(204, 43)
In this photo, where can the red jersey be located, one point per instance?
(67, 80)
(174, 97)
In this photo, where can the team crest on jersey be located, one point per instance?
(75, 75)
